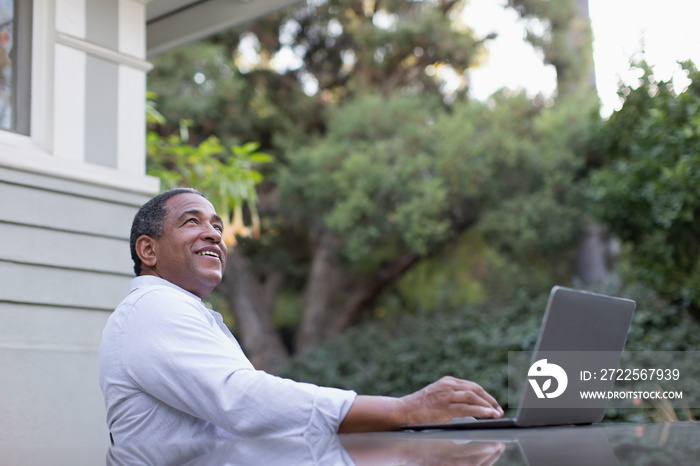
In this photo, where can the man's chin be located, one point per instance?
(205, 286)
(209, 279)
(216, 277)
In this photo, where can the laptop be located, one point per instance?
(580, 330)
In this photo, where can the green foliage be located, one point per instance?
(227, 178)
(370, 178)
(465, 271)
(372, 147)
(339, 49)
(647, 193)
(403, 173)
(403, 352)
(353, 48)
(524, 164)
(448, 279)
(202, 83)
(153, 116)
(660, 326)
(199, 82)
(224, 175)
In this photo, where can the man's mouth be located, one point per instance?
(209, 253)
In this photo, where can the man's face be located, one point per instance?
(191, 252)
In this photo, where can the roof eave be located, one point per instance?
(204, 19)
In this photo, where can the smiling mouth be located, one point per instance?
(209, 254)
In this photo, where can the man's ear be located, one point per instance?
(146, 250)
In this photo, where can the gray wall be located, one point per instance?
(64, 265)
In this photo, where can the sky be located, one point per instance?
(666, 31)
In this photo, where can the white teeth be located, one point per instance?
(209, 253)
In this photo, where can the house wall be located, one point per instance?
(68, 193)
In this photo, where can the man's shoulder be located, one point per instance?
(157, 298)
(149, 287)
(152, 302)
(154, 291)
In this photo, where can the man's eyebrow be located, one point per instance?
(198, 213)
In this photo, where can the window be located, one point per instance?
(15, 64)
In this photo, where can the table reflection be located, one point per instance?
(267, 451)
(322, 450)
(602, 444)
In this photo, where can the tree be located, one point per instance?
(271, 79)
(647, 189)
(562, 30)
(345, 49)
(380, 164)
(394, 180)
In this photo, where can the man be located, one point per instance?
(170, 370)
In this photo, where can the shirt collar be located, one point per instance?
(151, 280)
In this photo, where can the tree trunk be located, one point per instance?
(334, 298)
(368, 290)
(256, 334)
(596, 255)
(584, 18)
(567, 45)
(578, 73)
(324, 314)
(322, 285)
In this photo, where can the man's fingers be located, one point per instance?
(477, 402)
(475, 410)
(449, 398)
(491, 401)
(476, 395)
(482, 411)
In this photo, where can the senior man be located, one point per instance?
(170, 369)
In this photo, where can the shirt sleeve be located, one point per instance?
(176, 353)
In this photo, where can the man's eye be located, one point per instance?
(218, 228)
(191, 220)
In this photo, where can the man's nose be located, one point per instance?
(213, 233)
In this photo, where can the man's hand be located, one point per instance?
(420, 451)
(447, 399)
(438, 402)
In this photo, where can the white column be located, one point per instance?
(69, 104)
(131, 134)
(69, 84)
(131, 121)
(43, 48)
(132, 28)
(70, 17)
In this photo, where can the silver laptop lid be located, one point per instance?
(577, 325)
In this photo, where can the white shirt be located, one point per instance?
(170, 370)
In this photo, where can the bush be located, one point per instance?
(646, 191)
(403, 352)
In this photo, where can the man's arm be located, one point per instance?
(438, 402)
